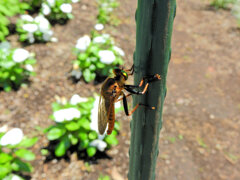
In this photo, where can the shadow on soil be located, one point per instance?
(81, 154)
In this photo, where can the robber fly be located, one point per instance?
(111, 90)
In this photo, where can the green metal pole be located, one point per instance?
(154, 19)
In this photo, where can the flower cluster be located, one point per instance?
(13, 153)
(57, 10)
(34, 29)
(15, 66)
(105, 8)
(76, 124)
(95, 57)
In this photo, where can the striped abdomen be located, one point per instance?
(111, 118)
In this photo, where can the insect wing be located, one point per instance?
(102, 115)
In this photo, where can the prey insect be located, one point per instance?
(112, 89)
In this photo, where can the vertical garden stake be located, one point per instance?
(154, 19)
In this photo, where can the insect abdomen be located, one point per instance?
(111, 120)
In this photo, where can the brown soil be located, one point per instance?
(200, 135)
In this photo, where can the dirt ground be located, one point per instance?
(200, 134)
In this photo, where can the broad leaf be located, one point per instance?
(55, 133)
(91, 151)
(4, 157)
(62, 146)
(25, 154)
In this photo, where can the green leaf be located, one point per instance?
(55, 133)
(83, 144)
(56, 106)
(62, 146)
(100, 65)
(111, 139)
(44, 152)
(82, 56)
(88, 75)
(28, 142)
(7, 88)
(4, 10)
(73, 139)
(72, 126)
(82, 135)
(91, 151)
(92, 135)
(25, 154)
(4, 170)
(4, 157)
(19, 165)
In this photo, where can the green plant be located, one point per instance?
(9, 8)
(105, 8)
(15, 66)
(14, 152)
(96, 57)
(76, 125)
(58, 10)
(34, 29)
(34, 4)
(218, 4)
(236, 11)
(102, 177)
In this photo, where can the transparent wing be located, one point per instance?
(102, 115)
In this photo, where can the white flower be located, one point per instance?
(83, 43)
(26, 17)
(20, 55)
(5, 45)
(75, 1)
(99, 39)
(99, 27)
(119, 50)
(109, 9)
(31, 28)
(94, 115)
(46, 9)
(54, 39)
(117, 104)
(31, 38)
(51, 2)
(59, 115)
(47, 35)
(12, 137)
(29, 67)
(43, 23)
(77, 99)
(99, 144)
(106, 36)
(72, 113)
(16, 177)
(66, 8)
(66, 114)
(106, 56)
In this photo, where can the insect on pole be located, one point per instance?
(154, 20)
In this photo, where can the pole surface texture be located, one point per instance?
(154, 20)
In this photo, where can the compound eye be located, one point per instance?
(125, 75)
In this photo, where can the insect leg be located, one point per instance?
(122, 97)
(125, 105)
(131, 89)
(131, 70)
